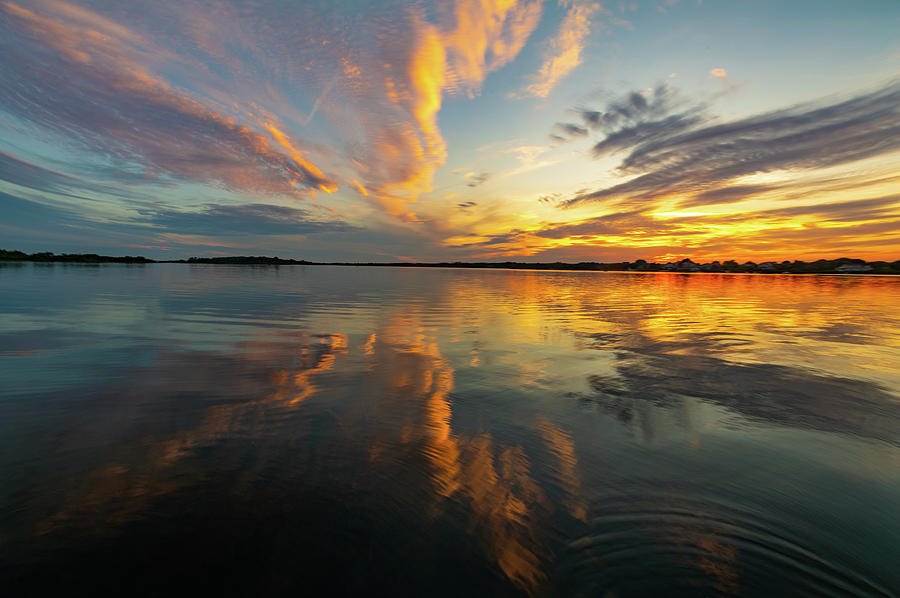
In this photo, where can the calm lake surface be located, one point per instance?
(298, 430)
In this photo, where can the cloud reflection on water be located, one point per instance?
(377, 414)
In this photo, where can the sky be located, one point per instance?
(468, 130)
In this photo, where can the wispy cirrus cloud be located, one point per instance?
(679, 159)
(689, 155)
(640, 117)
(180, 110)
(857, 210)
(89, 80)
(564, 50)
(31, 176)
(725, 195)
(197, 99)
(248, 219)
(568, 131)
(478, 179)
(402, 145)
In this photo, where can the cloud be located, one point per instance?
(571, 129)
(719, 73)
(31, 176)
(777, 394)
(527, 157)
(639, 117)
(621, 225)
(669, 156)
(50, 226)
(858, 210)
(478, 179)
(190, 94)
(564, 50)
(633, 108)
(603, 225)
(84, 78)
(665, 5)
(251, 219)
(24, 213)
(359, 188)
(402, 145)
(674, 151)
(724, 195)
(645, 132)
(830, 228)
(526, 153)
(41, 226)
(550, 198)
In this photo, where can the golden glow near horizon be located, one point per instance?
(552, 334)
(463, 131)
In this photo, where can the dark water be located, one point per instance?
(172, 429)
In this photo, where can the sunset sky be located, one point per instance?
(492, 130)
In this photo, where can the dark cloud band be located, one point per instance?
(675, 154)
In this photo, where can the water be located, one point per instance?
(314, 430)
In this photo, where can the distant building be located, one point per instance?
(768, 267)
(639, 265)
(847, 268)
(687, 265)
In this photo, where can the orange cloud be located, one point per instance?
(91, 80)
(564, 51)
(486, 35)
(284, 141)
(379, 89)
(359, 188)
(403, 155)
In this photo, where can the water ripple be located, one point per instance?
(669, 545)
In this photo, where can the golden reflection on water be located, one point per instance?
(114, 493)
(713, 552)
(539, 325)
(838, 324)
(562, 447)
(494, 480)
(409, 374)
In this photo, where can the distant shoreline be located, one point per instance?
(836, 266)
